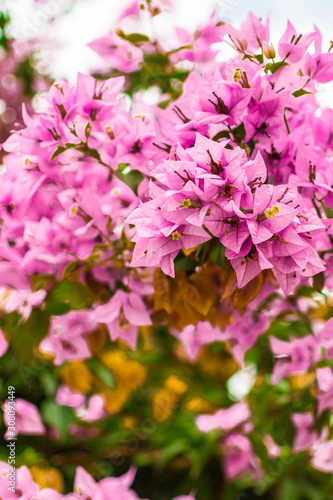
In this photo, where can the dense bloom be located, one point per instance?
(211, 189)
(23, 486)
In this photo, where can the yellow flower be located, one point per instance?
(132, 376)
(129, 422)
(166, 398)
(129, 376)
(199, 405)
(114, 359)
(176, 385)
(302, 381)
(115, 399)
(77, 376)
(48, 478)
(163, 404)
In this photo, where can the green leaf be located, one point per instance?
(93, 153)
(57, 309)
(273, 67)
(122, 166)
(72, 266)
(57, 416)
(102, 372)
(259, 57)
(328, 211)
(184, 263)
(300, 92)
(61, 149)
(49, 383)
(164, 104)
(172, 450)
(58, 151)
(24, 337)
(133, 37)
(132, 179)
(72, 293)
(39, 281)
(319, 281)
(239, 131)
(217, 254)
(223, 134)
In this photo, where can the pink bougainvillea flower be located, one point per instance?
(293, 357)
(255, 32)
(305, 434)
(239, 458)
(22, 301)
(27, 419)
(95, 409)
(23, 483)
(325, 338)
(3, 344)
(325, 389)
(117, 52)
(117, 487)
(292, 47)
(244, 332)
(322, 456)
(225, 419)
(122, 315)
(273, 450)
(68, 397)
(195, 337)
(66, 339)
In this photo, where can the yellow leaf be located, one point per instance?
(229, 280)
(189, 294)
(147, 336)
(162, 295)
(220, 366)
(243, 296)
(206, 290)
(97, 339)
(184, 316)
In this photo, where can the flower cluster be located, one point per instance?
(84, 486)
(209, 190)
